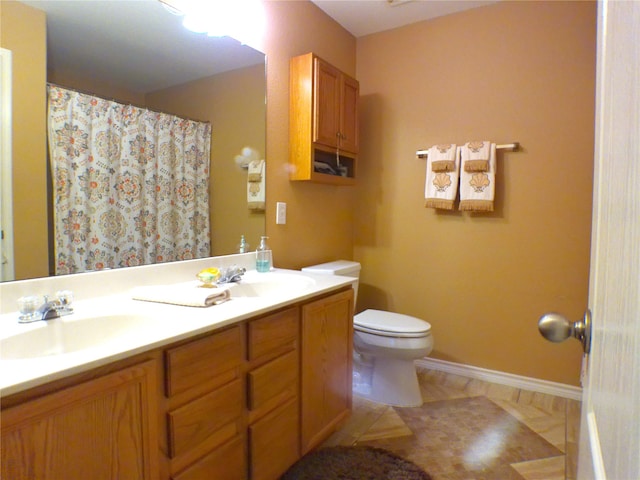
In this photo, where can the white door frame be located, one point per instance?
(7, 267)
(610, 426)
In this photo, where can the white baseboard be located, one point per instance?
(502, 378)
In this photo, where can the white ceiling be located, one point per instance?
(363, 17)
(137, 44)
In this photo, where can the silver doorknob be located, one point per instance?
(557, 328)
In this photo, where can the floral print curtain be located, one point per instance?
(130, 186)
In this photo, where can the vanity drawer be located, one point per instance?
(226, 462)
(272, 379)
(201, 361)
(274, 334)
(199, 420)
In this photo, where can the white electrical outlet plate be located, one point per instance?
(281, 213)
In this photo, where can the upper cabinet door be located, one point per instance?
(326, 104)
(349, 114)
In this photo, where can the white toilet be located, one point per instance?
(385, 347)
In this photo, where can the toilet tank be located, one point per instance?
(345, 268)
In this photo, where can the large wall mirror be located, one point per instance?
(138, 52)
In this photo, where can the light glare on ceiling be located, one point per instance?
(243, 20)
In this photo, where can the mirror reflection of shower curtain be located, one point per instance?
(131, 186)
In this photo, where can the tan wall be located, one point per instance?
(24, 33)
(482, 281)
(95, 86)
(319, 217)
(513, 71)
(234, 104)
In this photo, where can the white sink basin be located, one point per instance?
(270, 284)
(68, 335)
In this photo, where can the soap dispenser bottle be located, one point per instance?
(263, 256)
(243, 246)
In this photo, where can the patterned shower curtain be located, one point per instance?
(130, 186)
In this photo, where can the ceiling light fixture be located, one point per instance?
(395, 3)
(243, 20)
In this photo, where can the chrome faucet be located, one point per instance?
(231, 274)
(49, 309)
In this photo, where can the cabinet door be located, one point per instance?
(349, 114)
(327, 344)
(326, 102)
(273, 442)
(103, 429)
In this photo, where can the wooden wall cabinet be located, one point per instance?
(243, 402)
(323, 122)
(327, 349)
(70, 434)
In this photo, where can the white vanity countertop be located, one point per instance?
(163, 324)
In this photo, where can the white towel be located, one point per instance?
(443, 157)
(441, 188)
(477, 189)
(191, 294)
(255, 185)
(477, 156)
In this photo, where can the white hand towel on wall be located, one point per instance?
(477, 189)
(477, 159)
(255, 185)
(443, 157)
(441, 188)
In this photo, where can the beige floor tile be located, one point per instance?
(503, 392)
(435, 392)
(574, 408)
(543, 414)
(573, 437)
(519, 410)
(551, 468)
(551, 428)
(548, 403)
(389, 425)
(365, 413)
(477, 387)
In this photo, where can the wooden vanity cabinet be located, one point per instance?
(243, 402)
(272, 393)
(326, 376)
(205, 408)
(71, 432)
(323, 122)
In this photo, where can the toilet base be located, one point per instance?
(390, 381)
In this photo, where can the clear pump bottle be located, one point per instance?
(263, 256)
(243, 246)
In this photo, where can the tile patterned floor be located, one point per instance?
(468, 429)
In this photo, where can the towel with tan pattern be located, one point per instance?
(477, 189)
(477, 159)
(441, 187)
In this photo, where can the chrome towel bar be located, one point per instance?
(423, 154)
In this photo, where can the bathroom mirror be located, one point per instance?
(138, 52)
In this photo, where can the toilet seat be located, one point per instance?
(390, 324)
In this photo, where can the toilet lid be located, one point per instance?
(390, 324)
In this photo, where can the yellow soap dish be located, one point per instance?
(208, 277)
